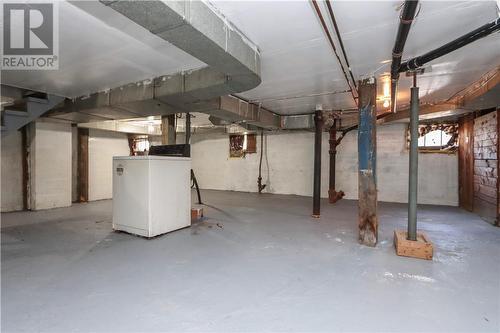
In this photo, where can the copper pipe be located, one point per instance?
(327, 32)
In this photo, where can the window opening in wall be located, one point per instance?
(140, 145)
(143, 145)
(437, 138)
(242, 144)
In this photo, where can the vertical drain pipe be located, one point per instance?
(318, 122)
(413, 172)
(188, 128)
(259, 179)
(333, 155)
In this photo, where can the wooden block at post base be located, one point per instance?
(421, 248)
(196, 213)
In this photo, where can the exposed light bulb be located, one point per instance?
(386, 103)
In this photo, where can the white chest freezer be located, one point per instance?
(151, 194)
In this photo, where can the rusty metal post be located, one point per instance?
(318, 122)
(367, 143)
(333, 153)
(333, 195)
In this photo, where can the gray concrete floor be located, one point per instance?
(256, 263)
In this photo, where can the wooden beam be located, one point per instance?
(459, 102)
(477, 89)
(424, 110)
(83, 165)
(168, 135)
(367, 144)
(466, 162)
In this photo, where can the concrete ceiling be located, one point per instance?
(297, 60)
(101, 49)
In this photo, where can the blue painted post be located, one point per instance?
(367, 159)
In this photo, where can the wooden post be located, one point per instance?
(466, 162)
(83, 165)
(168, 135)
(367, 143)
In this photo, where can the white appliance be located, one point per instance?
(151, 194)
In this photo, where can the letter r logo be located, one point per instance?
(28, 29)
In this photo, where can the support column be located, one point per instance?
(168, 135)
(318, 122)
(410, 243)
(413, 172)
(367, 157)
(83, 165)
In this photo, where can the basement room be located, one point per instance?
(250, 166)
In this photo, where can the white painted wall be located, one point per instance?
(438, 173)
(50, 165)
(103, 145)
(12, 173)
(288, 166)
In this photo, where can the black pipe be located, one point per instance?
(405, 20)
(188, 127)
(337, 32)
(195, 185)
(318, 122)
(472, 36)
(259, 179)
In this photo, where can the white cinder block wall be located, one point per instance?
(53, 165)
(12, 173)
(50, 165)
(437, 173)
(288, 166)
(103, 146)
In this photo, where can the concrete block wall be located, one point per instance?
(11, 173)
(437, 173)
(288, 166)
(53, 162)
(50, 159)
(103, 145)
